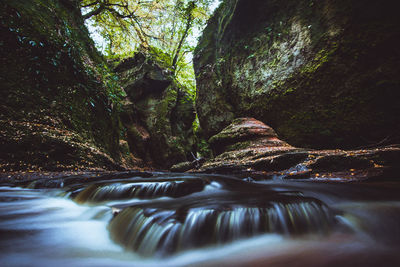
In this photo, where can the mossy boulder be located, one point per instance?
(323, 74)
(182, 166)
(243, 133)
(55, 111)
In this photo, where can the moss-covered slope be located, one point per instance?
(55, 112)
(321, 73)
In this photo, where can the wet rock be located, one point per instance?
(148, 189)
(60, 180)
(188, 165)
(214, 219)
(244, 142)
(280, 162)
(332, 163)
(241, 132)
(386, 157)
(250, 148)
(183, 166)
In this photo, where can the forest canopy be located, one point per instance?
(165, 28)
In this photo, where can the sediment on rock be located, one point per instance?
(269, 157)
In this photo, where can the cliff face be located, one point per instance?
(55, 110)
(321, 73)
(158, 113)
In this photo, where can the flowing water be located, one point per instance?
(198, 220)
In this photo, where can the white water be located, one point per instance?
(39, 228)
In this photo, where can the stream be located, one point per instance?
(198, 220)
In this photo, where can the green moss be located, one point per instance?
(51, 73)
(314, 73)
(323, 56)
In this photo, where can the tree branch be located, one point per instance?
(95, 12)
(91, 4)
(178, 49)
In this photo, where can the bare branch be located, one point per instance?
(95, 12)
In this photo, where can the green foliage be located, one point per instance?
(202, 146)
(165, 28)
(111, 83)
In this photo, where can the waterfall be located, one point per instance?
(141, 190)
(160, 232)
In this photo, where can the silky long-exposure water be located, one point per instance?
(198, 220)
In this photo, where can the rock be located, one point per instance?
(323, 74)
(386, 157)
(241, 143)
(158, 114)
(239, 131)
(127, 157)
(249, 148)
(187, 165)
(280, 162)
(55, 112)
(332, 163)
(142, 76)
(234, 211)
(182, 166)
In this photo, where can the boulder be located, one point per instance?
(182, 166)
(249, 148)
(246, 133)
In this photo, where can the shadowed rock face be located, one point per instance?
(54, 113)
(142, 77)
(323, 74)
(251, 148)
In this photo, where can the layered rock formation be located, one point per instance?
(55, 111)
(158, 113)
(323, 74)
(247, 147)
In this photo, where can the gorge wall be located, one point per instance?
(157, 113)
(64, 107)
(56, 109)
(321, 73)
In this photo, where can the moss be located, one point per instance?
(50, 73)
(312, 72)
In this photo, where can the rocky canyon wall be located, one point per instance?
(323, 74)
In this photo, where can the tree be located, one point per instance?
(164, 28)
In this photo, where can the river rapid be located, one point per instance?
(198, 220)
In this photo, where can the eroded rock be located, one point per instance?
(158, 113)
(55, 112)
(323, 74)
(248, 147)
